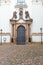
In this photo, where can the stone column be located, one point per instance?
(13, 30)
(14, 34)
(26, 33)
(29, 32)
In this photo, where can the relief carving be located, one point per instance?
(26, 14)
(21, 14)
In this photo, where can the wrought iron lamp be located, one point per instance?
(41, 34)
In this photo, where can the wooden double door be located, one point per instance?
(21, 35)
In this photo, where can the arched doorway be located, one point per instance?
(21, 35)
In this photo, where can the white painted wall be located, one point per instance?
(35, 11)
(5, 39)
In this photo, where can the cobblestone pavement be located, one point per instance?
(21, 54)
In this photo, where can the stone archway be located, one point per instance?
(21, 35)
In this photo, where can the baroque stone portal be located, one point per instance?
(21, 26)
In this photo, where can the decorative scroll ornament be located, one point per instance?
(15, 15)
(27, 14)
(4, 2)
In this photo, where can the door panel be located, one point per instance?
(21, 35)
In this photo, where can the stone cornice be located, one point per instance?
(5, 34)
(9, 34)
(37, 34)
(22, 19)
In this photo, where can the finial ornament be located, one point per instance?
(15, 15)
(27, 14)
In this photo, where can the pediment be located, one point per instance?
(21, 21)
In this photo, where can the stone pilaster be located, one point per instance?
(12, 30)
(14, 34)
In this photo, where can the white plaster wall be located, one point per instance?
(37, 38)
(5, 39)
(35, 11)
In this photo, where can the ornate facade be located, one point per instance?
(21, 27)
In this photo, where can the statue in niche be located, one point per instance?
(15, 15)
(26, 14)
(21, 14)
